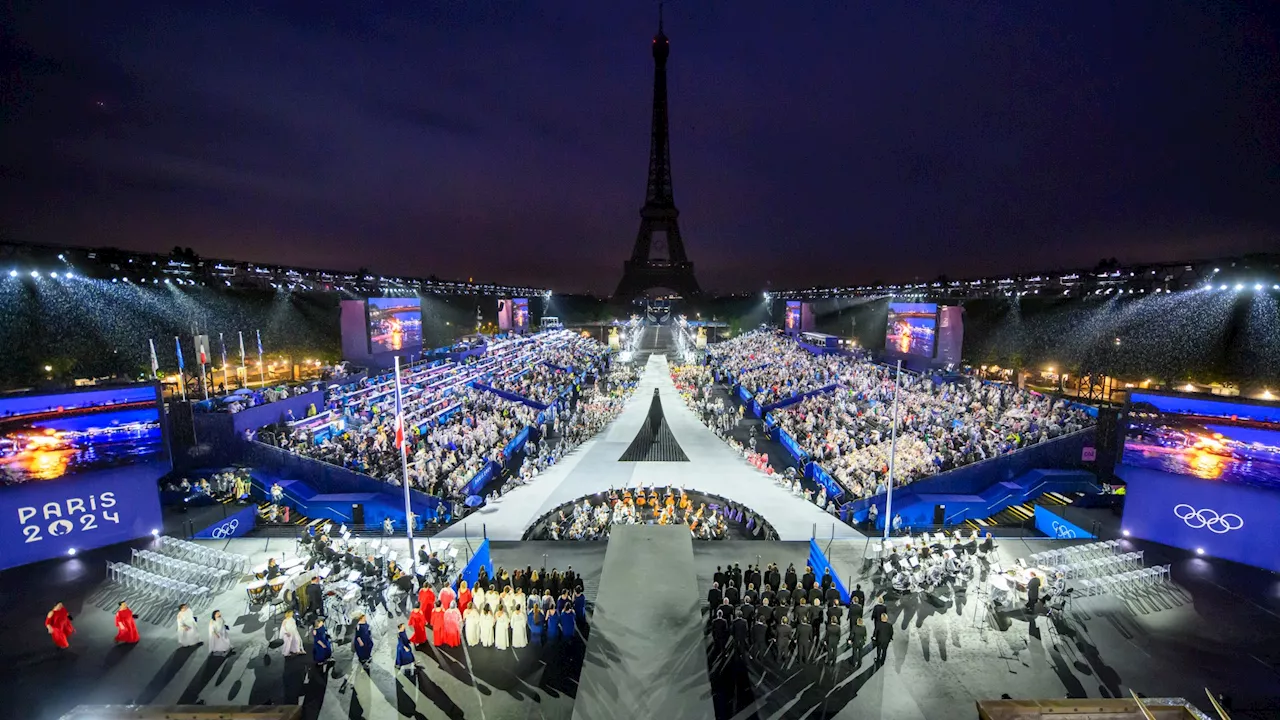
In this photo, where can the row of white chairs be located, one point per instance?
(1075, 553)
(144, 585)
(1098, 567)
(1124, 582)
(189, 572)
(202, 555)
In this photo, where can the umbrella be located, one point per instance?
(473, 501)
(243, 391)
(335, 385)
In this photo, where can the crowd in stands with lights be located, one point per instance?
(452, 428)
(594, 410)
(942, 426)
(774, 366)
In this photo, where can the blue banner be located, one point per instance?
(792, 447)
(482, 478)
(1058, 527)
(1222, 519)
(818, 561)
(471, 572)
(236, 525)
(516, 444)
(815, 472)
(48, 519)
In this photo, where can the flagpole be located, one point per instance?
(404, 469)
(893, 453)
(223, 343)
(155, 363)
(262, 367)
(242, 377)
(182, 380)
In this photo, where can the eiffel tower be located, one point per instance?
(658, 259)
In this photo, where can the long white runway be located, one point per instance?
(593, 467)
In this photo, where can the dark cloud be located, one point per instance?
(823, 143)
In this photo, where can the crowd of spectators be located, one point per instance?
(773, 367)
(941, 425)
(451, 429)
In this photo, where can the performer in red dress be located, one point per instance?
(464, 597)
(437, 625)
(452, 627)
(426, 598)
(418, 622)
(446, 597)
(126, 628)
(58, 623)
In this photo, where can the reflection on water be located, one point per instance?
(1202, 463)
(47, 453)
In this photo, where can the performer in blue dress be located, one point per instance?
(536, 625)
(363, 642)
(404, 653)
(580, 606)
(568, 624)
(321, 646)
(553, 625)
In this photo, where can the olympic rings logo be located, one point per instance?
(1208, 519)
(1064, 532)
(226, 530)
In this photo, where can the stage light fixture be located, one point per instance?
(54, 275)
(1239, 287)
(13, 273)
(35, 273)
(71, 551)
(1257, 286)
(155, 533)
(1199, 551)
(1222, 287)
(70, 276)
(1125, 532)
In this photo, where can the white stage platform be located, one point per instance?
(593, 467)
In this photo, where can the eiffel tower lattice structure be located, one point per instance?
(658, 259)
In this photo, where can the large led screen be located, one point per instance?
(79, 470)
(912, 328)
(394, 324)
(520, 315)
(792, 319)
(1210, 439)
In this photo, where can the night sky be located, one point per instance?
(812, 143)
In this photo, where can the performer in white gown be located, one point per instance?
(471, 624)
(510, 602)
(290, 635)
(501, 630)
(219, 635)
(519, 630)
(188, 636)
(477, 599)
(521, 603)
(486, 628)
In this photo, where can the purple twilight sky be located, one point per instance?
(812, 142)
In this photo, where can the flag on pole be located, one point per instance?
(178, 343)
(155, 363)
(223, 343)
(259, 343)
(241, 333)
(399, 411)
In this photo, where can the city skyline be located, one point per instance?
(830, 146)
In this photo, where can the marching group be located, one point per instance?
(781, 616)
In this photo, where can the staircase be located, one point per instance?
(1022, 513)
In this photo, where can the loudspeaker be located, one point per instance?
(939, 514)
(357, 514)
